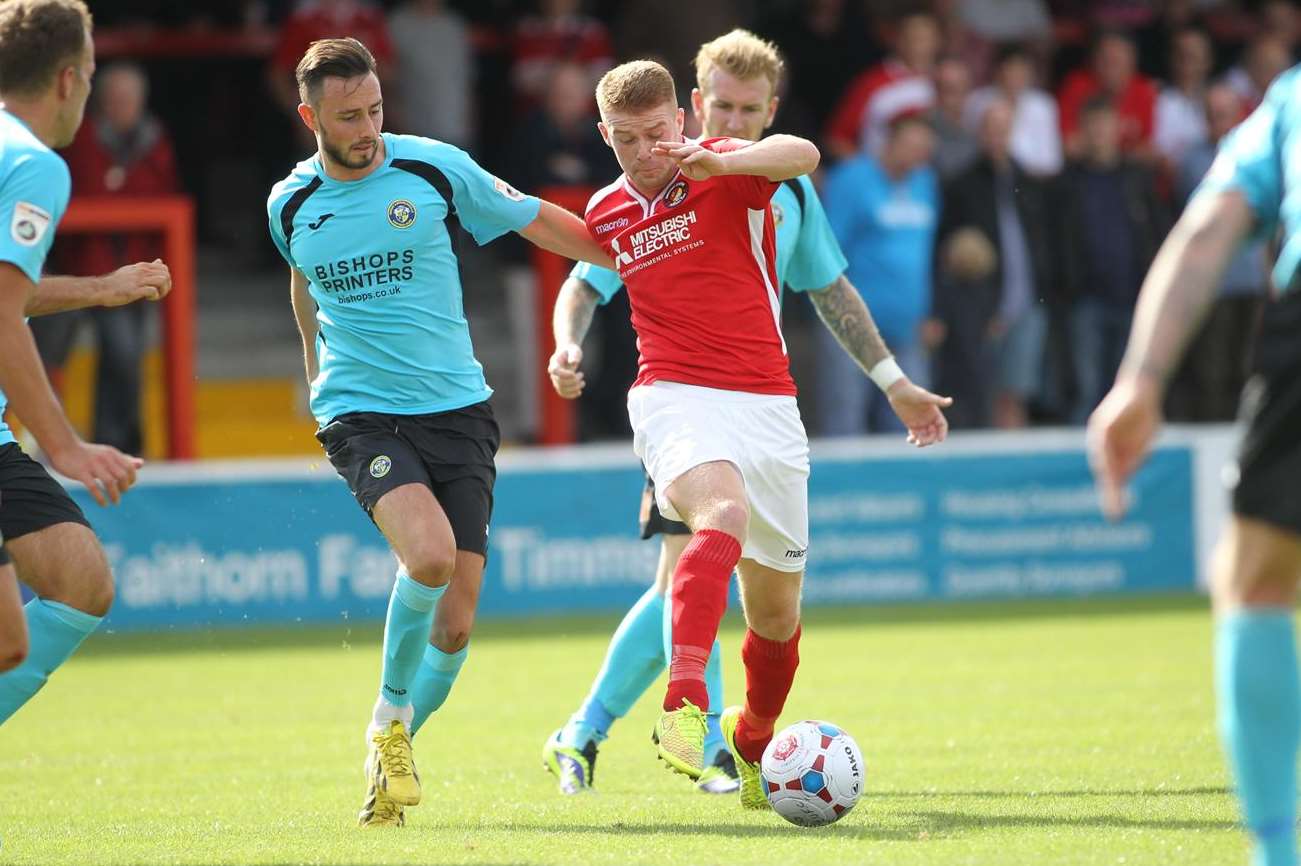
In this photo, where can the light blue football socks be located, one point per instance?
(1259, 699)
(406, 634)
(433, 681)
(54, 631)
(633, 662)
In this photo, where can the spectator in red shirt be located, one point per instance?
(1112, 74)
(901, 82)
(121, 150)
(324, 19)
(560, 34)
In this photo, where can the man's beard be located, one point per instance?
(347, 157)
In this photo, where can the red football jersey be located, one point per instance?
(699, 263)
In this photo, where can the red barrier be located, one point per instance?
(557, 424)
(173, 217)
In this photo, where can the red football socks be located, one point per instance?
(769, 671)
(699, 601)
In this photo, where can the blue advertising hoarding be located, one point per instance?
(200, 549)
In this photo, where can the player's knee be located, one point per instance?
(432, 567)
(1256, 565)
(728, 515)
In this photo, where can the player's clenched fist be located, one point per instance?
(143, 281)
(106, 471)
(696, 162)
(564, 372)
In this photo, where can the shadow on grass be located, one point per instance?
(230, 637)
(917, 826)
(955, 823)
(1049, 795)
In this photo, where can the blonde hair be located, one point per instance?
(968, 254)
(742, 55)
(635, 86)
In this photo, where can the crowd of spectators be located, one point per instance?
(1000, 173)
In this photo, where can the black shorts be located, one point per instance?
(31, 500)
(1267, 484)
(654, 523)
(451, 453)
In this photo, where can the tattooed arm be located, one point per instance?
(570, 320)
(843, 311)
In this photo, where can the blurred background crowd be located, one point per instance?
(999, 174)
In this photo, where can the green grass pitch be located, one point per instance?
(1074, 732)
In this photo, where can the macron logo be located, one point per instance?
(612, 225)
(620, 257)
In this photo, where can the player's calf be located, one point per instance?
(14, 644)
(65, 563)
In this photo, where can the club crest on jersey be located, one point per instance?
(777, 215)
(380, 466)
(401, 214)
(676, 194)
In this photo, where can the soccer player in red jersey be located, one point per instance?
(713, 407)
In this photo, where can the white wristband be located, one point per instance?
(885, 373)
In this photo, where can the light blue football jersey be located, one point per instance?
(380, 258)
(34, 189)
(1261, 159)
(808, 257)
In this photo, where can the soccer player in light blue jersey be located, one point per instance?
(369, 226)
(1253, 189)
(737, 76)
(46, 62)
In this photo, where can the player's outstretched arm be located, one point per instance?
(1174, 299)
(305, 315)
(143, 281)
(777, 157)
(559, 231)
(105, 471)
(575, 306)
(842, 310)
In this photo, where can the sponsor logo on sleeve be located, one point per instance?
(29, 224)
(507, 190)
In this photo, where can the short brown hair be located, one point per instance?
(37, 39)
(742, 55)
(331, 58)
(635, 86)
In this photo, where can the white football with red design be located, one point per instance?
(813, 773)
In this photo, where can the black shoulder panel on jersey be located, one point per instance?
(435, 178)
(794, 184)
(291, 208)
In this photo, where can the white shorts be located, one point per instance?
(679, 427)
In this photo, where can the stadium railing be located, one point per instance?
(173, 218)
